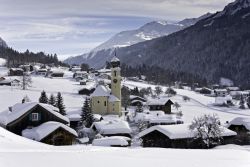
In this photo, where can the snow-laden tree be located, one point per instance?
(207, 129)
(125, 97)
(158, 90)
(170, 92)
(87, 115)
(43, 98)
(60, 104)
(25, 81)
(52, 100)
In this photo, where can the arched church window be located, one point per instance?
(115, 73)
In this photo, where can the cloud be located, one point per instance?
(76, 26)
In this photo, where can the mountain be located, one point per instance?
(215, 47)
(148, 31)
(3, 43)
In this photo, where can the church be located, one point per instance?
(105, 101)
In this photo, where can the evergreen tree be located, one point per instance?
(59, 104)
(125, 97)
(43, 98)
(87, 116)
(52, 100)
(242, 102)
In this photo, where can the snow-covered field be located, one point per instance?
(2, 61)
(18, 151)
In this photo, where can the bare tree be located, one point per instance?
(26, 81)
(158, 90)
(177, 105)
(208, 129)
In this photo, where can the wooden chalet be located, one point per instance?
(16, 72)
(161, 104)
(177, 136)
(241, 126)
(137, 100)
(27, 116)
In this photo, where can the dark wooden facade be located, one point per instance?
(15, 72)
(158, 139)
(25, 120)
(166, 107)
(59, 137)
(86, 91)
(243, 134)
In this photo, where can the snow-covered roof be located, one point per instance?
(40, 132)
(115, 59)
(220, 90)
(180, 131)
(240, 121)
(74, 117)
(111, 141)
(16, 69)
(168, 119)
(112, 98)
(112, 127)
(20, 109)
(101, 90)
(156, 101)
(233, 88)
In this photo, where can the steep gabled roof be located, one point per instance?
(159, 101)
(101, 91)
(40, 132)
(20, 109)
(240, 121)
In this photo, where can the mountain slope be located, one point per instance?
(215, 47)
(149, 31)
(3, 43)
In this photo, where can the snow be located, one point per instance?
(240, 121)
(101, 90)
(20, 109)
(112, 98)
(180, 131)
(112, 127)
(114, 59)
(2, 62)
(40, 132)
(111, 141)
(74, 117)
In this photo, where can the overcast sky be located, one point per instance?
(72, 27)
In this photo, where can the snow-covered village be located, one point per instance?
(151, 95)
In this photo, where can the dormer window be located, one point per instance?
(35, 117)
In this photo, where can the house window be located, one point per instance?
(34, 117)
(105, 103)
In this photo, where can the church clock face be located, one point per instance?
(115, 80)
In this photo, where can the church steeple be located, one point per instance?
(116, 77)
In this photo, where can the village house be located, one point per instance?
(55, 73)
(75, 120)
(160, 104)
(80, 75)
(42, 71)
(224, 100)
(9, 82)
(137, 100)
(177, 136)
(105, 101)
(16, 72)
(112, 128)
(113, 141)
(221, 92)
(33, 117)
(241, 126)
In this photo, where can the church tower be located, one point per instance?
(116, 77)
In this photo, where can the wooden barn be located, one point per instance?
(177, 136)
(241, 126)
(160, 104)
